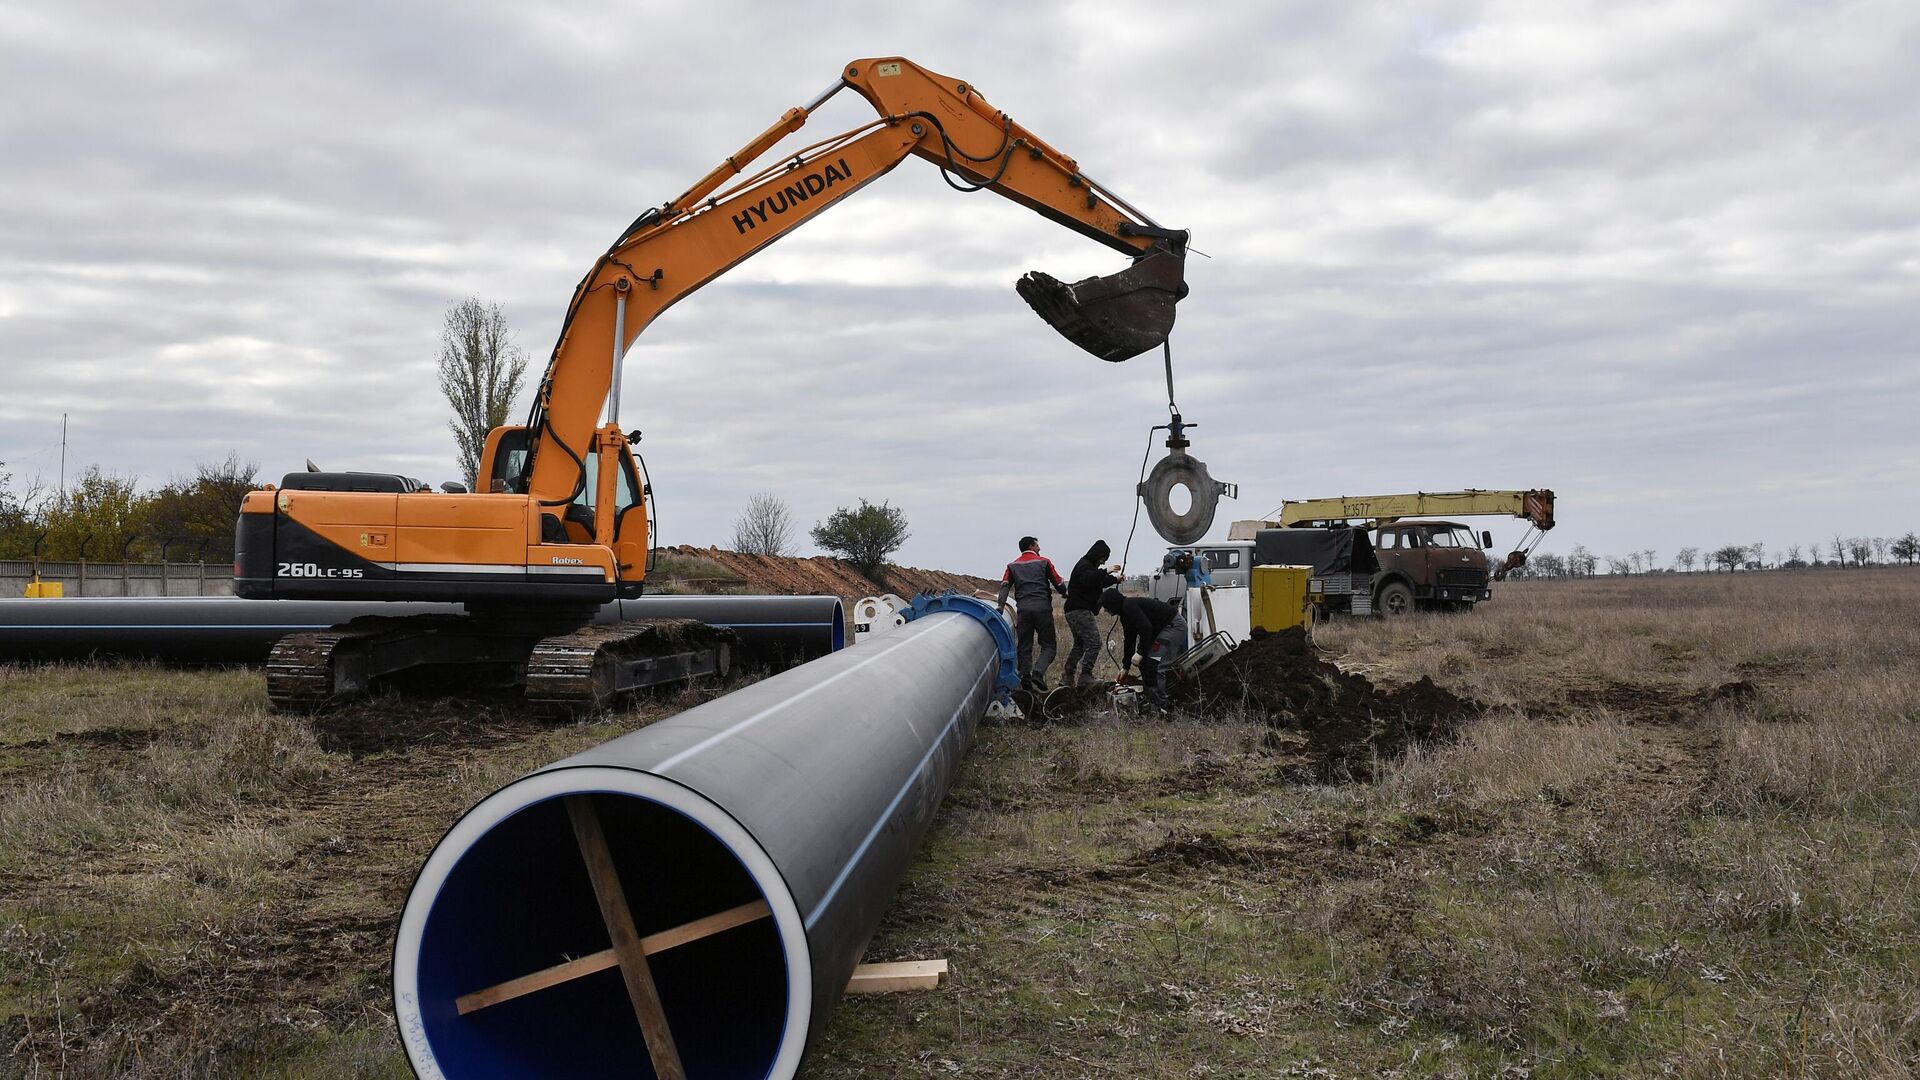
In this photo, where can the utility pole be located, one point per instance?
(63, 461)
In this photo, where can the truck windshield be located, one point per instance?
(1443, 538)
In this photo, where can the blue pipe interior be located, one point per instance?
(519, 900)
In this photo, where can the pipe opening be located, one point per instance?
(512, 898)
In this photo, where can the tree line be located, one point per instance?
(1839, 551)
(864, 535)
(102, 517)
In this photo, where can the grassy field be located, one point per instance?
(1681, 839)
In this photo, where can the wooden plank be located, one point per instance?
(684, 934)
(626, 939)
(891, 978)
(688, 933)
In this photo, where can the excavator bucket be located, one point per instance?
(1118, 316)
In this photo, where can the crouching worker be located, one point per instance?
(1089, 579)
(1157, 630)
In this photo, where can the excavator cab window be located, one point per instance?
(626, 492)
(626, 495)
(510, 463)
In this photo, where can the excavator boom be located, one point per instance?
(720, 221)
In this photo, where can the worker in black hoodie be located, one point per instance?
(1157, 630)
(1091, 577)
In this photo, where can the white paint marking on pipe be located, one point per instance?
(721, 736)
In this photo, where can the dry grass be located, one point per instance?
(1682, 840)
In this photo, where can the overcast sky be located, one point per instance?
(1664, 259)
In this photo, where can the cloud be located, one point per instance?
(1660, 258)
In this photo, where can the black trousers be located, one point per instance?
(1029, 625)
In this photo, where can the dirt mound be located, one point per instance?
(821, 575)
(1344, 723)
(1349, 723)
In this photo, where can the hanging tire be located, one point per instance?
(1395, 599)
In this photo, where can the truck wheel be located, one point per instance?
(1395, 600)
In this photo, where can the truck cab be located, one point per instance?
(1438, 565)
(1433, 564)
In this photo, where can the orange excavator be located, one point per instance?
(559, 525)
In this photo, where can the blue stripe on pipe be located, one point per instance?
(887, 814)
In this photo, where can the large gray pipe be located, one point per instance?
(777, 630)
(807, 791)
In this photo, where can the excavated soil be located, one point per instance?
(821, 575)
(1349, 724)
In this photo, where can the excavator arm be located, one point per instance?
(559, 522)
(731, 214)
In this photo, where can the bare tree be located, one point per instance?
(1618, 566)
(1580, 561)
(1546, 564)
(1686, 558)
(1731, 557)
(1839, 550)
(765, 527)
(1880, 549)
(1793, 556)
(1861, 549)
(481, 371)
(1757, 554)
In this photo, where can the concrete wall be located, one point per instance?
(121, 579)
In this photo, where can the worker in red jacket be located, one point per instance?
(1032, 580)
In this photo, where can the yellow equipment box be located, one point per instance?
(47, 589)
(1277, 599)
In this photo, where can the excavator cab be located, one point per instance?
(1117, 316)
(609, 505)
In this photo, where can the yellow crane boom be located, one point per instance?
(1534, 506)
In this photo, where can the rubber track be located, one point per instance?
(300, 668)
(571, 673)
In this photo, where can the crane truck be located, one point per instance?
(1406, 564)
(561, 521)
